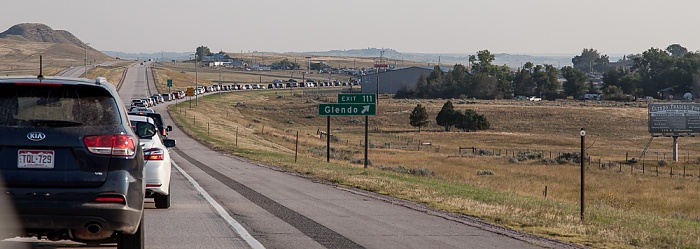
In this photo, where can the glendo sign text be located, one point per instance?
(343, 109)
(674, 118)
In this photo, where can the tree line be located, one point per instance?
(675, 69)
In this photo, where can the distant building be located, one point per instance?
(215, 57)
(393, 80)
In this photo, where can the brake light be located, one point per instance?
(111, 199)
(115, 145)
(154, 154)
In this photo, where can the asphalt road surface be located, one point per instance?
(231, 203)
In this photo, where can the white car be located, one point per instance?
(156, 158)
(141, 109)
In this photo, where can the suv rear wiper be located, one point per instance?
(54, 123)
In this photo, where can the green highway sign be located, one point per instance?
(347, 109)
(170, 82)
(358, 98)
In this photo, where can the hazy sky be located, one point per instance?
(428, 26)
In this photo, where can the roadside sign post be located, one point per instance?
(190, 92)
(674, 120)
(328, 139)
(170, 84)
(366, 139)
(349, 105)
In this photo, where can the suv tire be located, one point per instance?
(132, 241)
(162, 201)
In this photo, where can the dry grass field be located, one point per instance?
(627, 205)
(112, 73)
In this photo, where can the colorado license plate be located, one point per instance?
(35, 159)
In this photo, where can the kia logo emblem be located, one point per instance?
(36, 136)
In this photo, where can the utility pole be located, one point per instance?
(86, 60)
(196, 81)
(308, 61)
(220, 85)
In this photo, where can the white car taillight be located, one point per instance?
(154, 154)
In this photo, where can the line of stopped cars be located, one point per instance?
(75, 164)
(276, 84)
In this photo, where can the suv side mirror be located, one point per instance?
(169, 142)
(169, 128)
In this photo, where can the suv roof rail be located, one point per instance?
(100, 80)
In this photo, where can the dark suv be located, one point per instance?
(70, 163)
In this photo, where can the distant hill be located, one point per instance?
(37, 32)
(23, 43)
(161, 56)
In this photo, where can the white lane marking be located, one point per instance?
(252, 242)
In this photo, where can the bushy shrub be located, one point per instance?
(383, 146)
(528, 155)
(484, 172)
(484, 152)
(569, 157)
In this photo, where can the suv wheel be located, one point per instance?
(132, 241)
(162, 201)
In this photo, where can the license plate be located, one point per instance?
(35, 159)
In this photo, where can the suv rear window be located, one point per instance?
(65, 105)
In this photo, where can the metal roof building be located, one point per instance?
(393, 80)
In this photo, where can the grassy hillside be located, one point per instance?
(22, 44)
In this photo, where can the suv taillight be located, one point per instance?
(115, 145)
(154, 154)
(111, 199)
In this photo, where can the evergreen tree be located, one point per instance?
(419, 117)
(472, 121)
(576, 81)
(447, 116)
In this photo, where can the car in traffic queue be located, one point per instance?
(66, 148)
(140, 109)
(157, 159)
(158, 121)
